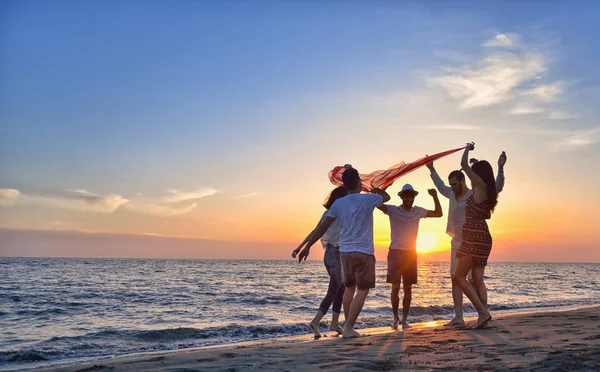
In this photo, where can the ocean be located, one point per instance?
(57, 311)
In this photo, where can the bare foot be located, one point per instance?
(486, 325)
(455, 322)
(481, 320)
(395, 324)
(315, 328)
(336, 328)
(405, 325)
(350, 333)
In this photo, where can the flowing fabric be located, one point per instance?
(382, 179)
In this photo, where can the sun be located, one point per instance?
(426, 241)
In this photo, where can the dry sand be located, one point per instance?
(543, 341)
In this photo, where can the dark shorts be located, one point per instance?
(402, 266)
(358, 269)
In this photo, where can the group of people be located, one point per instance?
(346, 233)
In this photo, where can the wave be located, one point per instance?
(112, 342)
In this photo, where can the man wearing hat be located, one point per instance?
(402, 255)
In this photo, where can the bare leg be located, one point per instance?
(335, 323)
(314, 325)
(480, 288)
(457, 298)
(355, 308)
(348, 297)
(406, 304)
(479, 284)
(395, 303)
(465, 263)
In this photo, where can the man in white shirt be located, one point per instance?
(402, 255)
(357, 251)
(458, 192)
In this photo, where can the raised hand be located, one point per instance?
(432, 192)
(470, 146)
(502, 159)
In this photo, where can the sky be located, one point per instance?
(206, 129)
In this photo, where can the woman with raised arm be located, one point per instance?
(477, 242)
(331, 244)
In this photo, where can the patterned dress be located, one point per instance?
(477, 240)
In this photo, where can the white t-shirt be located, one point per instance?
(332, 235)
(354, 212)
(405, 226)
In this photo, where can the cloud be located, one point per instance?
(179, 196)
(545, 93)
(86, 201)
(561, 115)
(155, 209)
(8, 196)
(97, 203)
(81, 200)
(166, 206)
(493, 81)
(504, 41)
(525, 109)
(577, 140)
(509, 73)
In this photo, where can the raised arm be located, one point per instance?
(383, 193)
(475, 179)
(383, 208)
(500, 178)
(317, 234)
(438, 207)
(438, 182)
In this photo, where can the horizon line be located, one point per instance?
(263, 259)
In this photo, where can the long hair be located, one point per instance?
(484, 170)
(338, 192)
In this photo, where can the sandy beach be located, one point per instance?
(551, 340)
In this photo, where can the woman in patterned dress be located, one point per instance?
(477, 241)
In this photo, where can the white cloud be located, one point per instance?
(561, 115)
(504, 41)
(493, 80)
(546, 93)
(97, 203)
(509, 73)
(86, 201)
(155, 209)
(8, 196)
(179, 196)
(525, 109)
(83, 201)
(167, 205)
(577, 140)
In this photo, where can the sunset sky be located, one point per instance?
(158, 129)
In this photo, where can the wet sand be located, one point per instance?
(555, 340)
